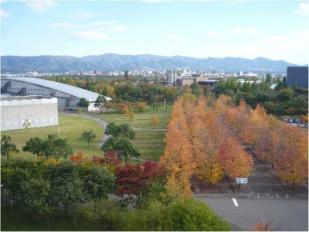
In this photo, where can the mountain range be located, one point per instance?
(109, 62)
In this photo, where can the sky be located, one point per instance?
(276, 29)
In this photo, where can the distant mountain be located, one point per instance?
(108, 62)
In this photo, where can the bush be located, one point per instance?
(188, 214)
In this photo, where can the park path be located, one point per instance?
(100, 121)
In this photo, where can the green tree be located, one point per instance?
(52, 146)
(88, 136)
(100, 102)
(37, 189)
(67, 185)
(7, 146)
(123, 146)
(98, 182)
(122, 130)
(178, 215)
(83, 103)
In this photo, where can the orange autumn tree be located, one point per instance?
(235, 161)
(238, 119)
(177, 158)
(263, 126)
(207, 163)
(291, 150)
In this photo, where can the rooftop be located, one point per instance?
(68, 89)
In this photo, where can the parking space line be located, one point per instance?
(235, 202)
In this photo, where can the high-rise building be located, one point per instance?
(297, 76)
(170, 77)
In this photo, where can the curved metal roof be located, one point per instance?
(65, 88)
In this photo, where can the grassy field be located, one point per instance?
(70, 127)
(149, 136)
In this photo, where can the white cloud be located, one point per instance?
(62, 25)
(213, 34)
(177, 37)
(88, 34)
(92, 30)
(84, 15)
(246, 30)
(39, 5)
(112, 25)
(4, 13)
(303, 8)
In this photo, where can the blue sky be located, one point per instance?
(239, 28)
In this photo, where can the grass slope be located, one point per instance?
(149, 137)
(70, 127)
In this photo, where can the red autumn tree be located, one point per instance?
(78, 157)
(135, 178)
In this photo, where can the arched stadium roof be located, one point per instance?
(65, 88)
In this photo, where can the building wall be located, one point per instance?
(35, 112)
(297, 76)
(183, 82)
(65, 101)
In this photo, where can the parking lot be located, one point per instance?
(284, 214)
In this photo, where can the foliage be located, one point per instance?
(135, 178)
(52, 146)
(140, 106)
(291, 155)
(46, 186)
(83, 103)
(280, 101)
(178, 215)
(100, 102)
(88, 136)
(122, 130)
(7, 147)
(155, 120)
(235, 162)
(177, 158)
(123, 146)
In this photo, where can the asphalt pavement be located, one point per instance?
(244, 213)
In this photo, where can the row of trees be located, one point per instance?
(279, 101)
(197, 143)
(272, 140)
(126, 90)
(48, 184)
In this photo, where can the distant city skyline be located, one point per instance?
(276, 30)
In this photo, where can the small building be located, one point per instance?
(20, 112)
(297, 76)
(185, 81)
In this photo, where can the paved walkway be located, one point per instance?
(100, 121)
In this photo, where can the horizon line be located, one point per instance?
(170, 56)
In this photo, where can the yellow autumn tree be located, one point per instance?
(205, 154)
(177, 158)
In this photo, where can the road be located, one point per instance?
(285, 214)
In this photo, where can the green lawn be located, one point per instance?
(150, 143)
(70, 127)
